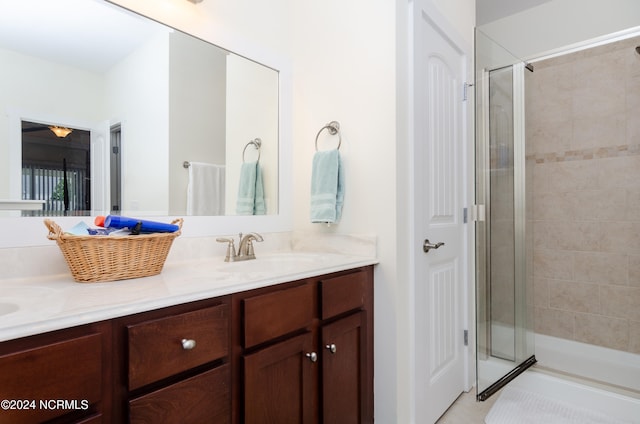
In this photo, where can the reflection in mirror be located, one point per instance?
(159, 96)
(56, 167)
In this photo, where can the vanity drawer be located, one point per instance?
(156, 348)
(68, 370)
(342, 294)
(204, 398)
(275, 314)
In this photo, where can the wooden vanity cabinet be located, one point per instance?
(299, 352)
(279, 382)
(346, 344)
(61, 376)
(313, 359)
(177, 367)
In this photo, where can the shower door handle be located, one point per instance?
(428, 245)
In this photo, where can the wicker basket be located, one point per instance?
(94, 259)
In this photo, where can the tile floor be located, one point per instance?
(466, 410)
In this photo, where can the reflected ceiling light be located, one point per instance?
(61, 132)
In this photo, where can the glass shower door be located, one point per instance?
(504, 311)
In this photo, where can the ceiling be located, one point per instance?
(94, 35)
(491, 10)
(89, 34)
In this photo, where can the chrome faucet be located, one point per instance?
(245, 249)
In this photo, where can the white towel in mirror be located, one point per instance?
(205, 192)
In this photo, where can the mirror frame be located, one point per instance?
(30, 231)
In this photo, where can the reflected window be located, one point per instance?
(56, 168)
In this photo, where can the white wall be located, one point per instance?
(461, 14)
(139, 78)
(560, 23)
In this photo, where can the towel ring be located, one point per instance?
(257, 143)
(334, 128)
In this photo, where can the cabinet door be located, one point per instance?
(343, 371)
(281, 383)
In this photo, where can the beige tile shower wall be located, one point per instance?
(583, 131)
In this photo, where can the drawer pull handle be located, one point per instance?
(332, 347)
(188, 344)
(313, 357)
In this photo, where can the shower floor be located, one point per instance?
(609, 401)
(526, 407)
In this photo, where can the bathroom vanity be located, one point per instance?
(284, 335)
(231, 343)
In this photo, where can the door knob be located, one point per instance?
(428, 245)
(313, 357)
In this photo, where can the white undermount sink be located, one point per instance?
(8, 308)
(21, 300)
(289, 262)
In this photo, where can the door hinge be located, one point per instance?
(465, 218)
(477, 213)
(466, 337)
(465, 91)
(115, 150)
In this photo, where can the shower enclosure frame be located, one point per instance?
(522, 340)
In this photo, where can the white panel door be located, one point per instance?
(439, 295)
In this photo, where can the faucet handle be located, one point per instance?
(231, 248)
(249, 248)
(250, 239)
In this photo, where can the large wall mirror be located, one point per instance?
(153, 111)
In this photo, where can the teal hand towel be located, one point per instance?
(259, 206)
(327, 187)
(251, 190)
